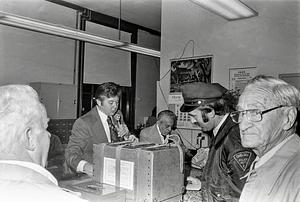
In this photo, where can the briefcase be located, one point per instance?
(147, 172)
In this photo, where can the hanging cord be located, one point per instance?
(183, 51)
(185, 46)
(182, 137)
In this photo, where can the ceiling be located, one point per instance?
(146, 13)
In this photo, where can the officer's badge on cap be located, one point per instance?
(199, 93)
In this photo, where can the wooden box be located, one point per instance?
(148, 173)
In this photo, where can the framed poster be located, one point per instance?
(188, 70)
(239, 77)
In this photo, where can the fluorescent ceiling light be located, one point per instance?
(228, 9)
(66, 32)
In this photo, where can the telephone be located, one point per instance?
(183, 118)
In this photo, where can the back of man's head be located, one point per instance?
(20, 113)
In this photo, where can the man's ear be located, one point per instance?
(98, 102)
(211, 114)
(29, 142)
(290, 118)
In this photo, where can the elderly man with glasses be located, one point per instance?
(209, 105)
(267, 118)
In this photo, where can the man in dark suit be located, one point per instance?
(160, 132)
(104, 123)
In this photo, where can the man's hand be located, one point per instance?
(88, 169)
(122, 130)
(131, 138)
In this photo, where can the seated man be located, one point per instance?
(24, 144)
(163, 132)
(160, 133)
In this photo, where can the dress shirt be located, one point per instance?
(216, 129)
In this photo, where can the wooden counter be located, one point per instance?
(94, 191)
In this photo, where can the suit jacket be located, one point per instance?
(151, 134)
(87, 130)
(278, 178)
(19, 182)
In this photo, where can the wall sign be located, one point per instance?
(239, 77)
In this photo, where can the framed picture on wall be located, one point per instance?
(188, 70)
(239, 77)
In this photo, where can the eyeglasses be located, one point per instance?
(254, 115)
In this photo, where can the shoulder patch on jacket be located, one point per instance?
(243, 159)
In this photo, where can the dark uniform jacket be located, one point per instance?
(227, 162)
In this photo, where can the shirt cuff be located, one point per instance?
(80, 165)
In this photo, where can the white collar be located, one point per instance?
(102, 115)
(33, 166)
(216, 129)
(163, 139)
(158, 129)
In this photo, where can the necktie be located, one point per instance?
(113, 131)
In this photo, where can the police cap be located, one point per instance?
(200, 93)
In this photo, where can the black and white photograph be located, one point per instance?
(149, 101)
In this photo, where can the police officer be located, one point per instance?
(209, 105)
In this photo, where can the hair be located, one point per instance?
(280, 92)
(166, 113)
(19, 108)
(108, 89)
(226, 104)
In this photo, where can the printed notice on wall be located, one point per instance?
(176, 98)
(126, 174)
(109, 171)
(239, 77)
